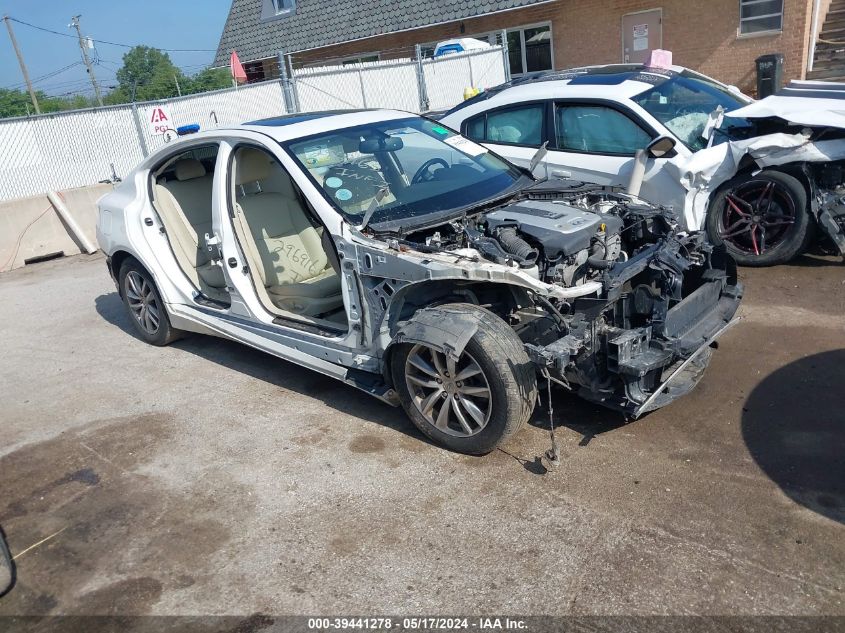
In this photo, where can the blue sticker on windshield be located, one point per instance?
(343, 194)
(333, 182)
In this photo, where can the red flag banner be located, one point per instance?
(238, 72)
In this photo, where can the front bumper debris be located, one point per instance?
(628, 349)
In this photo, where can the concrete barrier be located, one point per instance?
(31, 228)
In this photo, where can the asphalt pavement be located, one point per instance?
(209, 478)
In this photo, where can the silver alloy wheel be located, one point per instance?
(454, 397)
(142, 302)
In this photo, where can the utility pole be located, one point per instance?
(74, 23)
(23, 66)
(178, 89)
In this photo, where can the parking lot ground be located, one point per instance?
(208, 478)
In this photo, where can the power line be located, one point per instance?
(168, 50)
(52, 73)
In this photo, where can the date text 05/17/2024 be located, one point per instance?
(416, 623)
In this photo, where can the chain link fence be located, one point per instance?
(82, 147)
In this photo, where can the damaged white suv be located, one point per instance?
(385, 250)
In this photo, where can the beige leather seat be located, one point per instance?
(185, 207)
(284, 245)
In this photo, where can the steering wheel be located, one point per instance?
(423, 174)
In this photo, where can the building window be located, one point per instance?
(758, 16)
(275, 9)
(530, 49)
(363, 59)
(283, 6)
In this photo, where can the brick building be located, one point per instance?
(721, 38)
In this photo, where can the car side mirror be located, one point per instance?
(660, 147)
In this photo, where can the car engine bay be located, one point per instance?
(643, 303)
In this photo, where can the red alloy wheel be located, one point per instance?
(758, 215)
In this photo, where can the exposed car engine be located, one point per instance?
(565, 237)
(641, 298)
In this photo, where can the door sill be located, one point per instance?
(208, 302)
(322, 329)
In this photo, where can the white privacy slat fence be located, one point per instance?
(82, 147)
(218, 108)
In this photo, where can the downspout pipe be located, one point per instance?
(814, 35)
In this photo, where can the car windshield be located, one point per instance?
(404, 171)
(684, 102)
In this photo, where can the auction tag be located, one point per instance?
(465, 145)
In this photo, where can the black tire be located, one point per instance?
(507, 370)
(163, 333)
(788, 203)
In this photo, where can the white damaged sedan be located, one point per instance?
(384, 250)
(765, 178)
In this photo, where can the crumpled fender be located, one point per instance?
(706, 170)
(446, 329)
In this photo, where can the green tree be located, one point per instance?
(17, 103)
(149, 73)
(208, 79)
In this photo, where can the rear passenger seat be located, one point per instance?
(185, 206)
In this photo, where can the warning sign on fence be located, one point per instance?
(160, 120)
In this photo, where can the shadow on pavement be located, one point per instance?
(814, 259)
(575, 413)
(793, 424)
(275, 371)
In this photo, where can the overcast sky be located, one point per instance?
(178, 24)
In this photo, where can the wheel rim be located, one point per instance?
(454, 397)
(142, 302)
(757, 216)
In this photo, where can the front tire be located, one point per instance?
(762, 220)
(144, 305)
(475, 403)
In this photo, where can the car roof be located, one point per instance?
(288, 127)
(611, 81)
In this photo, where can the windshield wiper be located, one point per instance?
(374, 204)
(539, 155)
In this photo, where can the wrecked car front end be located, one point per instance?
(644, 340)
(800, 132)
(609, 297)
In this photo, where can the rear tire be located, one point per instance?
(144, 305)
(762, 220)
(487, 396)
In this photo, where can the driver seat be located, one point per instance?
(282, 242)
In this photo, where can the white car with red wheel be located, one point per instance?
(765, 178)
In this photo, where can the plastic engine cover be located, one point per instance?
(557, 226)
